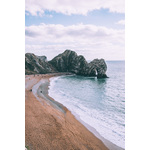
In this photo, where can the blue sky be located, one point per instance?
(95, 30)
(97, 17)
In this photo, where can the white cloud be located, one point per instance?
(69, 7)
(121, 22)
(89, 40)
(74, 33)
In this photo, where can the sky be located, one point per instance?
(94, 29)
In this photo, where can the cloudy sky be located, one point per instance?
(95, 29)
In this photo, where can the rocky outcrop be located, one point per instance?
(37, 64)
(68, 61)
(98, 68)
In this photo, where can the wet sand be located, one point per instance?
(51, 126)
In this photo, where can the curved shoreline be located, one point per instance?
(109, 144)
(78, 135)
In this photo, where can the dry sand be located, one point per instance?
(51, 126)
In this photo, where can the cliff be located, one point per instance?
(37, 64)
(68, 61)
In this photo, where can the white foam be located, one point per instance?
(97, 119)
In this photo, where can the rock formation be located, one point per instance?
(98, 68)
(68, 61)
(37, 64)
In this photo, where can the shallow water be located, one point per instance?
(98, 102)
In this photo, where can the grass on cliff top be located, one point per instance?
(27, 147)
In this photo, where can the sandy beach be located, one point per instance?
(51, 126)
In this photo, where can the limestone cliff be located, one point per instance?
(98, 68)
(37, 64)
(68, 61)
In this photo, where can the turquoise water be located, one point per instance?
(98, 102)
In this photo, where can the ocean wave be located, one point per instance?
(95, 103)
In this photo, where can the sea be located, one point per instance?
(100, 103)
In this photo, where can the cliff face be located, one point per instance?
(68, 61)
(37, 64)
(97, 67)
